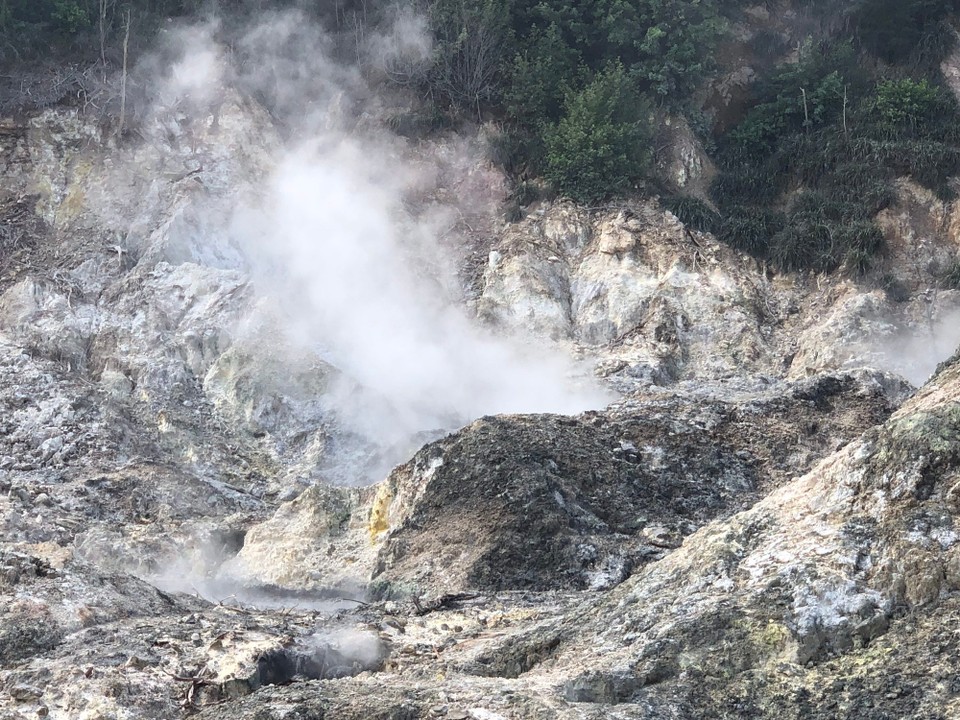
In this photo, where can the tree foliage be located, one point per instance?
(667, 44)
(906, 105)
(575, 86)
(824, 142)
(73, 29)
(602, 143)
(554, 58)
(70, 16)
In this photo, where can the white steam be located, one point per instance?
(915, 353)
(350, 261)
(401, 52)
(343, 234)
(360, 647)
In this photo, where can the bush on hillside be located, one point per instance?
(602, 144)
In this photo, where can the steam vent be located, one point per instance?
(448, 360)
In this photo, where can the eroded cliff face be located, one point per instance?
(758, 525)
(655, 303)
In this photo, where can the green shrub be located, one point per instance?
(877, 196)
(866, 186)
(928, 162)
(510, 151)
(862, 235)
(858, 262)
(540, 77)
(747, 185)
(750, 229)
(70, 16)
(693, 213)
(806, 245)
(826, 141)
(813, 206)
(950, 278)
(905, 31)
(804, 96)
(905, 104)
(601, 147)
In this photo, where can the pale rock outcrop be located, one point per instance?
(681, 162)
(651, 300)
(318, 543)
(654, 303)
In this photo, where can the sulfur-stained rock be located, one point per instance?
(317, 542)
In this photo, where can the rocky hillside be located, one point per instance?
(296, 425)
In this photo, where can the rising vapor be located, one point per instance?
(343, 235)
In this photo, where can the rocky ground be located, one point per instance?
(760, 524)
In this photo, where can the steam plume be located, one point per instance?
(343, 234)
